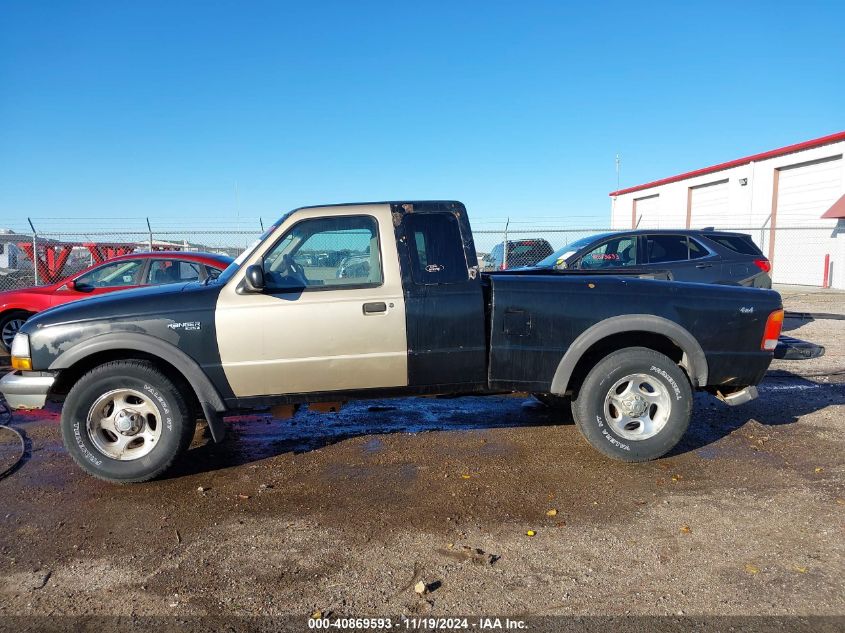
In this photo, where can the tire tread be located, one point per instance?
(114, 368)
(604, 366)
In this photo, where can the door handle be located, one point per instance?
(704, 265)
(377, 307)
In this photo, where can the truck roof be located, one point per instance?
(392, 203)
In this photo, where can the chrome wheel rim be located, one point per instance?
(10, 328)
(124, 424)
(637, 407)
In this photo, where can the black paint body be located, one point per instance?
(166, 313)
(445, 322)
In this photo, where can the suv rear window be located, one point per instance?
(527, 252)
(737, 243)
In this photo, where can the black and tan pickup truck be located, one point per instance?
(359, 301)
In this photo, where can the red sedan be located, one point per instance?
(119, 273)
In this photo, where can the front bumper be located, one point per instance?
(26, 390)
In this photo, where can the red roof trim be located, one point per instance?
(824, 140)
(837, 210)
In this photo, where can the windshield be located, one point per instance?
(230, 270)
(559, 256)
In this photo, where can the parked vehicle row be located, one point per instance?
(519, 253)
(412, 316)
(703, 256)
(118, 273)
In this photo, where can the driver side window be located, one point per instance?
(323, 253)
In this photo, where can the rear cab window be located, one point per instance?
(436, 248)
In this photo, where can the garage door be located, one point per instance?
(805, 192)
(647, 212)
(709, 206)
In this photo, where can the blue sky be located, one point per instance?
(121, 110)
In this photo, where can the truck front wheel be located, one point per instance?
(125, 421)
(634, 405)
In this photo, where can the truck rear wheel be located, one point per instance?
(125, 421)
(634, 405)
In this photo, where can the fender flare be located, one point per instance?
(210, 401)
(695, 360)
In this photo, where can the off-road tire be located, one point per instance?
(177, 425)
(588, 409)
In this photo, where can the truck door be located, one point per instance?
(444, 301)
(331, 317)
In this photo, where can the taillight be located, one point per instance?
(772, 331)
(763, 264)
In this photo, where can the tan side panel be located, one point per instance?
(317, 340)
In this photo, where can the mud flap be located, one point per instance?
(215, 422)
(738, 397)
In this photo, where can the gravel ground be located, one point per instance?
(346, 513)
(812, 299)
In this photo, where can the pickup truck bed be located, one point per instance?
(385, 299)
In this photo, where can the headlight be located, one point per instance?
(20, 352)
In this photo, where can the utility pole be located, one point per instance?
(237, 208)
(34, 250)
(505, 245)
(618, 170)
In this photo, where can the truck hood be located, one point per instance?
(137, 303)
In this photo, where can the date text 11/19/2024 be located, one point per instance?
(418, 624)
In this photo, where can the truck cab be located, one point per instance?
(295, 319)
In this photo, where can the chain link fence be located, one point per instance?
(801, 254)
(38, 259)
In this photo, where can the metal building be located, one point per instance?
(791, 200)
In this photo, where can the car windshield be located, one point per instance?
(559, 256)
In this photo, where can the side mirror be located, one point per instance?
(74, 284)
(254, 279)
